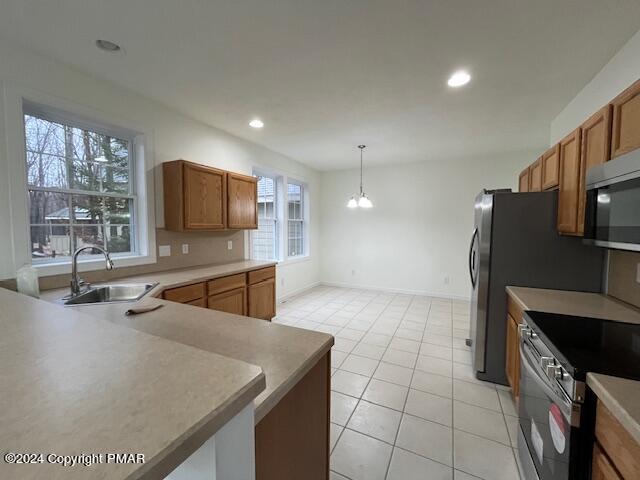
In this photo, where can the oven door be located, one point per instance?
(545, 414)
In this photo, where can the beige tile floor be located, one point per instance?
(404, 403)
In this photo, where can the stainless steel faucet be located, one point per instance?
(76, 281)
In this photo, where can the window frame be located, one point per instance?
(15, 239)
(302, 220)
(276, 218)
(69, 120)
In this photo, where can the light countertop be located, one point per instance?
(581, 304)
(620, 396)
(74, 384)
(285, 354)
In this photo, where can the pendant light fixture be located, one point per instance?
(361, 200)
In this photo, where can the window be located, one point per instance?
(282, 219)
(265, 239)
(295, 210)
(80, 189)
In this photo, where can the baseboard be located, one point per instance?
(422, 293)
(297, 291)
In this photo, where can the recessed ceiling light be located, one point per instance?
(256, 123)
(459, 79)
(108, 46)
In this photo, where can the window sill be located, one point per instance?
(49, 269)
(293, 260)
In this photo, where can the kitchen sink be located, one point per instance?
(124, 292)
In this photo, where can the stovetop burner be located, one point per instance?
(583, 344)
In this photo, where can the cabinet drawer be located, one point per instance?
(618, 444)
(256, 276)
(185, 294)
(224, 284)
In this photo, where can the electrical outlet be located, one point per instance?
(185, 248)
(353, 273)
(447, 280)
(282, 281)
(164, 250)
(230, 245)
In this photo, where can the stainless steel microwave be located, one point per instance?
(612, 215)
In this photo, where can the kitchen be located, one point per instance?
(275, 301)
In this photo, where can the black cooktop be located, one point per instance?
(584, 344)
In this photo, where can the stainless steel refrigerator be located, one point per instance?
(515, 242)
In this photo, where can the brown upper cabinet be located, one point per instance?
(550, 168)
(569, 180)
(625, 132)
(535, 176)
(242, 194)
(594, 150)
(202, 198)
(523, 181)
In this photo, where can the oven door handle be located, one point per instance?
(559, 398)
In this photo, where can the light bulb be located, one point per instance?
(352, 203)
(364, 202)
(458, 79)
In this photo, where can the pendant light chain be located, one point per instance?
(361, 147)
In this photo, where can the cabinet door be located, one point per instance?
(242, 193)
(233, 301)
(523, 180)
(262, 299)
(570, 174)
(535, 176)
(512, 366)
(601, 467)
(595, 150)
(204, 198)
(625, 132)
(550, 168)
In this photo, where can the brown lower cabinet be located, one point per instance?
(615, 451)
(252, 293)
(512, 357)
(262, 299)
(233, 301)
(601, 467)
(292, 440)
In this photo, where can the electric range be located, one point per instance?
(556, 409)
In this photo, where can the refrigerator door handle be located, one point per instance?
(472, 257)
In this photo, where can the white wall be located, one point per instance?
(620, 72)
(173, 136)
(419, 229)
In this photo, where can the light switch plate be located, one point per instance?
(185, 248)
(230, 245)
(164, 250)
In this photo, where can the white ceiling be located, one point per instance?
(326, 75)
